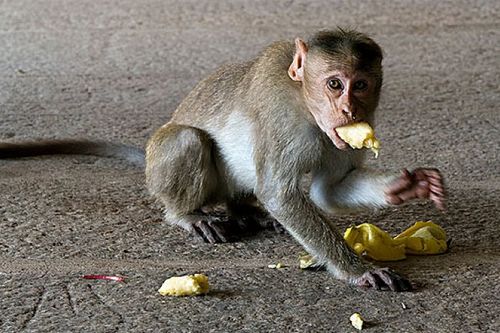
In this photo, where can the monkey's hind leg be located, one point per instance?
(181, 172)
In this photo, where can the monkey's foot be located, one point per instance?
(218, 228)
(384, 279)
(213, 229)
(252, 218)
(271, 223)
(258, 219)
(255, 222)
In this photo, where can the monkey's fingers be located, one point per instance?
(271, 223)
(278, 227)
(438, 200)
(422, 184)
(385, 279)
(436, 185)
(201, 231)
(407, 180)
(210, 232)
(393, 280)
(437, 192)
(420, 190)
(369, 280)
(438, 196)
(437, 189)
(423, 174)
(433, 176)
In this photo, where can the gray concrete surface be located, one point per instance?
(117, 69)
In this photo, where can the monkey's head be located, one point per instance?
(341, 77)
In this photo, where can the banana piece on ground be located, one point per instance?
(307, 261)
(357, 321)
(359, 135)
(188, 285)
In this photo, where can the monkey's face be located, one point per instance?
(338, 97)
(339, 88)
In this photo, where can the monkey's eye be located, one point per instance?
(360, 85)
(335, 84)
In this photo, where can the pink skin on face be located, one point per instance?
(342, 103)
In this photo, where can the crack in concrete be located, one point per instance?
(70, 299)
(101, 299)
(35, 309)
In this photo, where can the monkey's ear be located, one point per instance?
(296, 69)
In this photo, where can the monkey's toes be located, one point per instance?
(384, 279)
(251, 223)
(268, 222)
(278, 227)
(212, 229)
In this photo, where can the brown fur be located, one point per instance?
(189, 164)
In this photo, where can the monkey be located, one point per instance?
(248, 135)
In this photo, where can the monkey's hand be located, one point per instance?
(383, 279)
(421, 183)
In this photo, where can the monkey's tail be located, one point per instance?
(133, 155)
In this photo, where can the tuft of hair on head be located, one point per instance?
(348, 45)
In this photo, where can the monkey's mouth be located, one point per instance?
(337, 141)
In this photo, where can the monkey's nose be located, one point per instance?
(349, 114)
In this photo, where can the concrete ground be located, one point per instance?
(117, 69)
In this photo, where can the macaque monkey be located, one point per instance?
(247, 136)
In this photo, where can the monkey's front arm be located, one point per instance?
(363, 187)
(358, 188)
(311, 228)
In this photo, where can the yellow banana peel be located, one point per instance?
(368, 240)
(422, 238)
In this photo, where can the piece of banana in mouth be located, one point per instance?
(359, 135)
